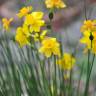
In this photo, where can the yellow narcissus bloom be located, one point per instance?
(6, 23)
(24, 11)
(55, 3)
(89, 25)
(90, 44)
(50, 46)
(34, 21)
(21, 36)
(66, 62)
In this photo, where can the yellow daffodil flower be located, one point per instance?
(21, 36)
(24, 11)
(66, 62)
(90, 44)
(50, 46)
(6, 23)
(89, 25)
(34, 20)
(55, 3)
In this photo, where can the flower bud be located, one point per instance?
(91, 37)
(51, 15)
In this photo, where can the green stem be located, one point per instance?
(82, 69)
(55, 79)
(70, 81)
(88, 76)
(87, 79)
(92, 65)
(49, 75)
(90, 70)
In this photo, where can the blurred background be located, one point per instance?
(66, 24)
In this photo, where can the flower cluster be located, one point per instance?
(89, 34)
(33, 21)
(31, 28)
